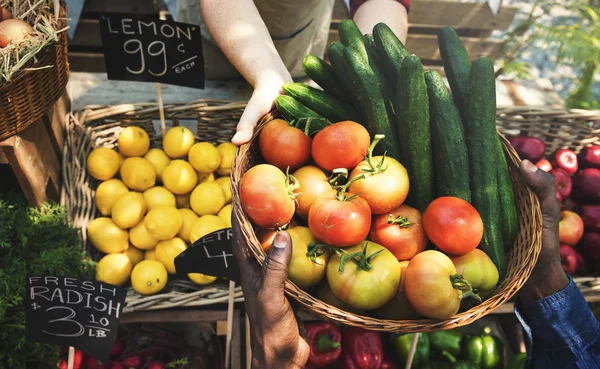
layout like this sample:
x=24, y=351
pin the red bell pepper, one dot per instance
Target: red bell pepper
x=324, y=340
x=363, y=347
x=389, y=362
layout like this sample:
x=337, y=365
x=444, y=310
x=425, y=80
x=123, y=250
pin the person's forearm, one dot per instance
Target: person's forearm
x=238, y=29
x=390, y=12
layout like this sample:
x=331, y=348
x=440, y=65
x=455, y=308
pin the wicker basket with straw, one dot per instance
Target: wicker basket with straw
x=34, y=72
x=98, y=126
x=521, y=258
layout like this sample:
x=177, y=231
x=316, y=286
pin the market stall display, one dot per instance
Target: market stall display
x=34, y=69
x=392, y=116
x=103, y=206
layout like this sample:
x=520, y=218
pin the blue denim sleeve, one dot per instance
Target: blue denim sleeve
x=561, y=331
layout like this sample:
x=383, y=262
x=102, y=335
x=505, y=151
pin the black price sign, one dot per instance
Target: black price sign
x=210, y=255
x=152, y=50
x=73, y=312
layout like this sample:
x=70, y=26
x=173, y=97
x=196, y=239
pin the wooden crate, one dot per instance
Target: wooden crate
x=34, y=155
x=474, y=22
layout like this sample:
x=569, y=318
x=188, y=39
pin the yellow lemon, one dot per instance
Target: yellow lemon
x=201, y=279
x=129, y=209
x=149, y=255
x=121, y=159
x=103, y=163
x=188, y=217
x=163, y=222
x=158, y=196
x=204, y=157
x=133, y=141
x=179, y=177
x=141, y=238
x=134, y=254
x=183, y=201
x=225, y=214
x=114, y=269
x=207, y=198
x=158, y=159
x=224, y=182
x=204, y=225
x=227, y=151
x=138, y=174
x=107, y=193
x=203, y=177
x=149, y=277
x=177, y=142
x=106, y=236
x=167, y=251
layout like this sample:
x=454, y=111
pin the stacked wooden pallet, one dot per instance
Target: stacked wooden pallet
x=474, y=22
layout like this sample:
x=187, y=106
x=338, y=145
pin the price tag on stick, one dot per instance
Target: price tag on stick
x=147, y=49
x=210, y=255
x=74, y=312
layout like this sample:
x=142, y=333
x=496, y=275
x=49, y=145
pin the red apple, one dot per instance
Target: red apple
x=564, y=183
x=62, y=364
x=544, y=165
x=567, y=160
x=590, y=242
x=568, y=259
x=116, y=365
x=530, y=148
x=581, y=265
x=570, y=228
x=570, y=204
x=117, y=349
x=590, y=214
x=132, y=362
x=589, y=157
x=587, y=184
x=156, y=365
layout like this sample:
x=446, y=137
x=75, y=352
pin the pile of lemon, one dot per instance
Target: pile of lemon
x=155, y=202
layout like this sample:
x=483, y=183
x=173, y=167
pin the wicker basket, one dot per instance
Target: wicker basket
x=98, y=126
x=521, y=259
x=31, y=93
x=573, y=129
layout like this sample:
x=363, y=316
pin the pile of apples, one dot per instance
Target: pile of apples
x=578, y=191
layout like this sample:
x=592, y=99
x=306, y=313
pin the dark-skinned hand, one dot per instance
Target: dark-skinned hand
x=274, y=330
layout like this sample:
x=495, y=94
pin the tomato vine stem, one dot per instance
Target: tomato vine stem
x=360, y=258
x=291, y=184
x=379, y=168
x=341, y=190
x=461, y=284
x=401, y=221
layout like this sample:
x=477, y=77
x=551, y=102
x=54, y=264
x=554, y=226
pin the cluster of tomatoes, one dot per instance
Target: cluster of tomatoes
x=344, y=210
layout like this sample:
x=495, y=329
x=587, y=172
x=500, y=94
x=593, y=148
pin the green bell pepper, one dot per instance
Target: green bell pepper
x=448, y=341
x=461, y=364
x=485, y=351
x=401, y=345
x=518, y=361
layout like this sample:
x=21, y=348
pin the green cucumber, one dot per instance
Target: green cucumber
x=450, y=155
x=480, y=129
x=412, y=118
x=390, y=49
x=321, y=102
x=323, y=75
x=457, y=64
x=508, y=205
x=374, y=63
x=292, y=109
x=349, y=33
x=335, y=53
x=370, y=98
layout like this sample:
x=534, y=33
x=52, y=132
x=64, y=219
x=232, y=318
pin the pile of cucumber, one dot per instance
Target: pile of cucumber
x=448, y=143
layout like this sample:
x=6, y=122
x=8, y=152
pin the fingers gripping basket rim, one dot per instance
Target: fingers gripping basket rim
x=521, y=259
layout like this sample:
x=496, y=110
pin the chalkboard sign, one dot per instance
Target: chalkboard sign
x=151, y=50
x=210, y=255
x=74, y=312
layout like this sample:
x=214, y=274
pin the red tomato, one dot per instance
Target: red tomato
x=340, y=145
x=429, y=287
x=400, y=231
x=453, y=225
x=267, y=196
x=283, y=145
x=313, y=185
x=385, y=185
x=340, y=221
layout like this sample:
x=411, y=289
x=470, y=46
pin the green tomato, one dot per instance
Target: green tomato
x=366, y=276
x=302, y=270
x=478, y=269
